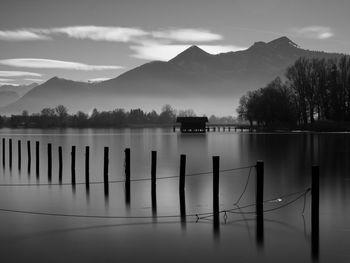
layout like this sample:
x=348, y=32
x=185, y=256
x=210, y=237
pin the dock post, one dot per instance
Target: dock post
x=29, y=155
x=3, y=152
x=10, y=153
x=259, y=207
x=216, y=215
x=127, y=175
x=49, y=161
x=60, y=164
x=73, y=166
x=153, y=181
x=182, y=189
x=19, y=152
x=315, y=193
x=87, y=168
x=105, y=170
x=182, y=173
x=37, y=156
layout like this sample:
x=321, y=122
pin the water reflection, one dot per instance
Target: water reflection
x=260, y=231
x=288, y=158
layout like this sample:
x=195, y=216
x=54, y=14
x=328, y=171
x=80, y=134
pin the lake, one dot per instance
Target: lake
x=287, y=157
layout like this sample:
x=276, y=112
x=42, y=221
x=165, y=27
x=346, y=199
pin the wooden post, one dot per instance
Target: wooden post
x=182, y=189
x=315, y=193
x=73, y=165
x=29, y=155
x=216, y=168
x=259, y=206
x=259, y=187
x=87, y=167
x=153, y=181
x=19, y=152
x=182, y=173
x=10, y=153
x=127, y=176
x=49, y=161
x=37, y=160
x=60, y=164
x=105, y=170
x=3, y=152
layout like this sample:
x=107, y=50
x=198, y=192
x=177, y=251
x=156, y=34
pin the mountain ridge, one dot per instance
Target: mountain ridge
x=193, y=77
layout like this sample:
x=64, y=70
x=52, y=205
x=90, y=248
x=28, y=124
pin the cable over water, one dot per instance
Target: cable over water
x=198, y=216
x=123, y=180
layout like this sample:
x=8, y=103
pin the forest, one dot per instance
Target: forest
x=313, y=91
x=59, y=117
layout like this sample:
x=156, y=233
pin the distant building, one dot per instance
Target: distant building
x=192, y=124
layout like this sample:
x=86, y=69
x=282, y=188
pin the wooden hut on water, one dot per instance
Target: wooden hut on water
x=192, y=124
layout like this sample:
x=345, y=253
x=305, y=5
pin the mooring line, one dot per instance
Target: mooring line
x=123, y=180
x=198, y=216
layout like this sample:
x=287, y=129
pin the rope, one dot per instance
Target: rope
x=245, y=188
x=198, y=216
x=123, y=180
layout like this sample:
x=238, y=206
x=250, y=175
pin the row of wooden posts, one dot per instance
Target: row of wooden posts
x=224, y=128
x=259, y=205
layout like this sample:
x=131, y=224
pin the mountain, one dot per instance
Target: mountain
x=193, y=79
x=53, y=92
x=11, y=93
x=7, y=97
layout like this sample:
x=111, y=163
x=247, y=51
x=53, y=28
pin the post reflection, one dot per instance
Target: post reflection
x=154, y=205
x=260, y=231
x=183, y=210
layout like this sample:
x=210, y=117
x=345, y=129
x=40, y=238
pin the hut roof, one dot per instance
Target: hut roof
x=192, y=119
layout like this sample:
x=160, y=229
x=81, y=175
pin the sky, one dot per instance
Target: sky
x=94, y=40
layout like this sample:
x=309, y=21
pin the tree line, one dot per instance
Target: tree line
x=59, y=117
x=313, y=90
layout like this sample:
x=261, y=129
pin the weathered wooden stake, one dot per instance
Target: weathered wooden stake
x=153, y=181
x=19, y=152
x=37, y=156
x=3, y=152
x=259, y=187
x=73, y=165
x=29, y=156
x=87, y=167
x=182, y=189
x=60, y=164
x=105, y=170
x=315, y=193
x=216, y=167
x=127, y=175
x=49, y=161
x=10, y=153
x=182, y=174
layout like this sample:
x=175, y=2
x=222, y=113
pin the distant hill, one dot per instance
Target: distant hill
x=11, y=93
x=193, y=79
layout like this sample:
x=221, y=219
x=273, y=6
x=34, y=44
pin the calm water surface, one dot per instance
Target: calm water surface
x=287, y=232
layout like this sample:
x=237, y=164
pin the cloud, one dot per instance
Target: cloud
x=53, y=64
x=22, y=35
x=112, y=34
x=9, y=80
x=165, y=52
x=315, y=32
x=8, y=73
x=8, y=84
x=98, y=79
x=35, y=80
x=187, y=35
x=99, y=33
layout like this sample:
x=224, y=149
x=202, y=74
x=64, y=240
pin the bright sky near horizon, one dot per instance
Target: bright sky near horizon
x=100, y=39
